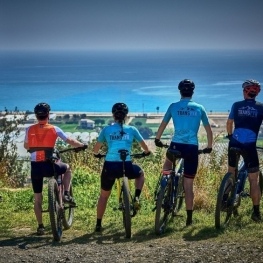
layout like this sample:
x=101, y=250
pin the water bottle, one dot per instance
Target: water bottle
x=165, y=177
x=164, y=180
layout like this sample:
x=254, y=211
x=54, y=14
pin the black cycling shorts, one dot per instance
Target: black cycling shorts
x=39, y=170
x=113, y=170
x=189, y=152
x=249, y=154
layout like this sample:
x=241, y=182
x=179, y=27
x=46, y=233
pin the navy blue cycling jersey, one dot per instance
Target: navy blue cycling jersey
x=247, y=115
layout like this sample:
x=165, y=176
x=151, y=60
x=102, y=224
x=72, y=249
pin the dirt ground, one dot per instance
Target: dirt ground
x=115, y=248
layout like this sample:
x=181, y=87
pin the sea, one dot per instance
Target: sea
x=92, y=81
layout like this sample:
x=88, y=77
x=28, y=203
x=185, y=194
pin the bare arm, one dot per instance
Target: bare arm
x=26, y=145
x=209, y=135
x=160, y=130
x=74, y=143
x=144, y=146
x=97, y=147
x=229, y=126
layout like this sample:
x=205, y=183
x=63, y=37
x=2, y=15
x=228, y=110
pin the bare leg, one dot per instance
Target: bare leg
x=67, y=179
x=254, y=187
x=38, y=207
x=139, y=182
x=102, y=203
x=189, y=193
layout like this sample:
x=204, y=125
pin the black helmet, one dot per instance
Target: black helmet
x=42, y=109
x=186, y=85
x=120, y=107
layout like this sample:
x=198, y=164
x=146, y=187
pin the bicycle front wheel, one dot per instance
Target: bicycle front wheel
x=68, y=213
x=225, y=202
x=55, y=209
x=179, y=199
x=163, y=209
x=126, y=207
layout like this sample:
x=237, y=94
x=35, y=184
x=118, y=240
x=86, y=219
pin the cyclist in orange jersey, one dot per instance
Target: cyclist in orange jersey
x=40, y=140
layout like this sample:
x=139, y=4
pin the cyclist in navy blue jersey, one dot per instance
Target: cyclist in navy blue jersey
x=187, y=116
x=243, y=126
x=118, y=136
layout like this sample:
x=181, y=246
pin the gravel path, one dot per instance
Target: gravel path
x=115, y=248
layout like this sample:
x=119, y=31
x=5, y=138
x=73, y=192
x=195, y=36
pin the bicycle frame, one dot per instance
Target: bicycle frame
x=123, y=192
x=231, y=190
x=56, y=206
x=167, y=193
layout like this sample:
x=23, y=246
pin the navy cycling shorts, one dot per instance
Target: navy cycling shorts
x=189, y=153
x=39, y=170
x=249, y=154
x=113, y=170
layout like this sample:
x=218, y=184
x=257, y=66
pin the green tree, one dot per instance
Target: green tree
x=11, y=169
x=146, y=132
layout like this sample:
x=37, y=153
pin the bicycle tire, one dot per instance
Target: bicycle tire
x=55, y=213
x=225, y=197
x=68, y=213
x=162, y=209
x=178, y=202
x=126, y=211
x=261, y=182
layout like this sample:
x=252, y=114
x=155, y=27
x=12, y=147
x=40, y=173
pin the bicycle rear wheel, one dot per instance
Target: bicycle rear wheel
x=225, y=201
x=163, y=209
x=55, y=209
x=126, y=207
x=68, y=213
x=261, y=182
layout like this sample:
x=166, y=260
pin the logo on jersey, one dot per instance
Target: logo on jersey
x=248, y=112
x=188, y=111
x=117, y=136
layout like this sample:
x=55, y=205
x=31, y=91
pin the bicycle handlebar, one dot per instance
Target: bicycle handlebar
x=134, y=155
x=56, y=154
x=78, y=149
x=200, y=151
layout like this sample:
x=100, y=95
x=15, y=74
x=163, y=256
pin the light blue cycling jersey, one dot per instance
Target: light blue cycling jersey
x=186, y=116
x=115, y=141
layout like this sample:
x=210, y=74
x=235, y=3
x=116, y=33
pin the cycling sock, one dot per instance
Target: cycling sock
x=138, y=192
x=256, y=209
x=99, y=222
x=40, y=226
x=189, y=215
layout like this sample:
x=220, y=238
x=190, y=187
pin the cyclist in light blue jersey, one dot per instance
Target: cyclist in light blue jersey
x=187, y=116
x=246, y=116
x=118, y=136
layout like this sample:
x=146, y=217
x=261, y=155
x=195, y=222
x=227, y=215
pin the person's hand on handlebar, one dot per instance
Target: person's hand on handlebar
x=158, y=143
x=98, y=155
x=207, y=150
x=146, y=154
x=78, y=149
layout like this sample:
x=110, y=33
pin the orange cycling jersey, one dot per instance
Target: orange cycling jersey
x=41, y=140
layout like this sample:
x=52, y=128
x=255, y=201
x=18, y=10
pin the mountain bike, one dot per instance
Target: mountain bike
x=60, y=214
x=124, y=195
x=232, y=190
x=169, y=191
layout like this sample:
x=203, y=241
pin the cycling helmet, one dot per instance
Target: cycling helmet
x=251, y=87
x=186, y=85
x=42, y=109
x=120, y=108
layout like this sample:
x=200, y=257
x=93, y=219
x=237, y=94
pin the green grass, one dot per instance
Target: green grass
x=17, y=216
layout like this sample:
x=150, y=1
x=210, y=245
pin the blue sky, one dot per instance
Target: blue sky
x=133, y=24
